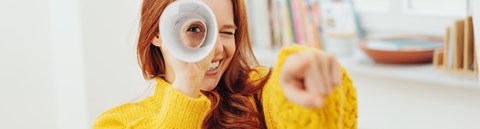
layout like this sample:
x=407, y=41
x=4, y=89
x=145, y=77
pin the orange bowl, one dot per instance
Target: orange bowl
x=401, y=49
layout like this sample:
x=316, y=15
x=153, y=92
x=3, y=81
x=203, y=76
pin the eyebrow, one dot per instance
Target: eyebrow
x=229, y=26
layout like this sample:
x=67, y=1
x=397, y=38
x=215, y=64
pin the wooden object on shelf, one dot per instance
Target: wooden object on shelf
x=438, y=59
x=458, y=45
x=468, y=46
x=475, y=12
x=475, y=63
x=459, y=54
x=446, y=48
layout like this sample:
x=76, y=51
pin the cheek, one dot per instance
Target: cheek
x=228, y=50
x=229, y=47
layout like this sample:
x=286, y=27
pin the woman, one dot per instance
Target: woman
x=305, y=89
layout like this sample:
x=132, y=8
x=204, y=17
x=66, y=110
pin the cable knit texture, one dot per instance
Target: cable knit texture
x=168, y=108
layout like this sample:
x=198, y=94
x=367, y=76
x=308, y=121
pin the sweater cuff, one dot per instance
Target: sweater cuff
x=181, y=111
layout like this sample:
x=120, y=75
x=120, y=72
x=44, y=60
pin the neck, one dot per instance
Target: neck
x=169, y=75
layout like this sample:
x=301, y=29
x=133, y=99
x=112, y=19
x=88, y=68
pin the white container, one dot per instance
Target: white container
x=340, y=44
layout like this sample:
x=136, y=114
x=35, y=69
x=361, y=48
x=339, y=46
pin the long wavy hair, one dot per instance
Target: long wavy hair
x=236, y=101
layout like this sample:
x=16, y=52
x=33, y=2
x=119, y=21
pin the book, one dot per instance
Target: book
x=290, y=24
x=276, y=27
x=297, y=19
x=287, y=33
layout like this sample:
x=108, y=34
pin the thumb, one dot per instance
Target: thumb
x=294, y=68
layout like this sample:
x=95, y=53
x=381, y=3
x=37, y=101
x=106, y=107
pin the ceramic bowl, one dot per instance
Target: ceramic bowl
x=401, y=49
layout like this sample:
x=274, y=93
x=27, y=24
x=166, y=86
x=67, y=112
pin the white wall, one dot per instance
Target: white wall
x=63, y=62
x=395, y=17
x=26, y=78
x=113, y=76
x=68, y=64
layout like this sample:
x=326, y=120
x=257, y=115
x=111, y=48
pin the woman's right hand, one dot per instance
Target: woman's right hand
x=189, y=75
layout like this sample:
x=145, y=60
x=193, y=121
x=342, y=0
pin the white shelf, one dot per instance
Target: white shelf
x=420, y=73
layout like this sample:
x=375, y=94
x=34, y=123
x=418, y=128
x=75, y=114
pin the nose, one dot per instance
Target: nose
x=218, y=48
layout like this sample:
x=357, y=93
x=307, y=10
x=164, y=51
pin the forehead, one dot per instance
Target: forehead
x=223, y=10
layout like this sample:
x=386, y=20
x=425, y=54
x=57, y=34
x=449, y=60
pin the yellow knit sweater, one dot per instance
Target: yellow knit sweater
x=169, y=108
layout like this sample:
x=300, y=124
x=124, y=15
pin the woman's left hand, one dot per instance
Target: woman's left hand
x=308, y=77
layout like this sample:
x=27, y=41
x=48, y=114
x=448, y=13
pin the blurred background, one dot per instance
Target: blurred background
x=63, y=62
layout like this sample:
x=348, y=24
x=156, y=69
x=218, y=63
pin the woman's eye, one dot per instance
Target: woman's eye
x=228, y=33
x=194, y=29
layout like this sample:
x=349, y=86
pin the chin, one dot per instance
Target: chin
x=212, y=78
x=209, y=84
x=208, y=87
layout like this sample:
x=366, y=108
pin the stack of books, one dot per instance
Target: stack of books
x=295, y=22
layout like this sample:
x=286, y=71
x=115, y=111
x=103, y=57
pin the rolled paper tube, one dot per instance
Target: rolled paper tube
x=174, y=23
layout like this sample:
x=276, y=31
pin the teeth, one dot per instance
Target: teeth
x=214, y=65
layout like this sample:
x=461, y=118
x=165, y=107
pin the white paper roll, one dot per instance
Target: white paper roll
x=173, y=20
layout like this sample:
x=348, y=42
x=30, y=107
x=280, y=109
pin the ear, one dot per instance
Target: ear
x=156, y=40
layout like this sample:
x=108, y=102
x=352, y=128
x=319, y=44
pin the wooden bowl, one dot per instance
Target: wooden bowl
x=401, y=49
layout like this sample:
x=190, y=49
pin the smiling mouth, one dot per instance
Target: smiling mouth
x=214, y=65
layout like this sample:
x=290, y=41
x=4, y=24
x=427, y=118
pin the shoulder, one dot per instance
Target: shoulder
x=124, y=114
x=258, y=74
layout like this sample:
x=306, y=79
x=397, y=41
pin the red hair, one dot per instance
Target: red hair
x=231, y=99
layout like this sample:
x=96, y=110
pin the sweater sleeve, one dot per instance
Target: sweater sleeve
x=340, y=110
x=172, y=109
